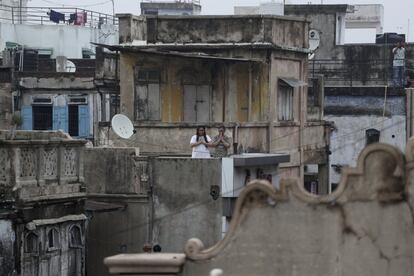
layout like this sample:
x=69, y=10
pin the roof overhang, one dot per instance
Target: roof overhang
x=174, y=48
x=293, y=82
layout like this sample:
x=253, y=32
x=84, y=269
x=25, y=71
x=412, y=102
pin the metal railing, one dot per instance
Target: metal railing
x=41, y=16
x=195, y=2
x=353, y=72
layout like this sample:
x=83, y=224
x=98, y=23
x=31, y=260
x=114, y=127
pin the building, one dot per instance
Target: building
x=180, y=72
x=48, y=97
x=170, y=7
x=42, y=222
x=50, y=82
x=363, y=228
x=357, y=82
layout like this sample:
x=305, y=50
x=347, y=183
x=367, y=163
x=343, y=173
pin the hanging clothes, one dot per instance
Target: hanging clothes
x=72, y=18
x=80, y=18
x=56, y=17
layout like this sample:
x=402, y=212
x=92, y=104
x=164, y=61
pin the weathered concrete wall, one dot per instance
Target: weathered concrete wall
x=123, y=230
x=59, y=81
x=355, y=112
x=116, y=196
x=111, y=171
x=228, y=81
x=358, y=64
x=7, y=239
x=363, y=228
x=183, y=206
x=326, y=20
x=349, y=139
x=215, y=29
x=5, y=106
x=32, y=169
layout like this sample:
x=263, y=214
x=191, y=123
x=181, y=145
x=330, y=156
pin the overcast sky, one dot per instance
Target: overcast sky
x=397, y=13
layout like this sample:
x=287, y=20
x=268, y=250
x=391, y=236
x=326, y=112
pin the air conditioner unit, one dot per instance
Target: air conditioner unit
x=238, y=170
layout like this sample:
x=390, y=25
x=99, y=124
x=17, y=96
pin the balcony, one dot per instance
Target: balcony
x=40, y=16
x=42, y=165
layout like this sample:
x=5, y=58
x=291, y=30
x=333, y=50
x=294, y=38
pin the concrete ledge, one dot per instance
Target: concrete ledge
x=146, y=263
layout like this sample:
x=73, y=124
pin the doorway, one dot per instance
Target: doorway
x=73, y=120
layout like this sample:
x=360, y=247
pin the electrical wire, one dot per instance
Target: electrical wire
x=208, y=201
x=71, y=6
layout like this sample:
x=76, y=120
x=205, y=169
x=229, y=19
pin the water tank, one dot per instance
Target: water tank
x=389, y=38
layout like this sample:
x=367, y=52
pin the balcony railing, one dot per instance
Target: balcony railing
x=40, y=16
x=32, y=169
x=195, y=2
x=354, y=72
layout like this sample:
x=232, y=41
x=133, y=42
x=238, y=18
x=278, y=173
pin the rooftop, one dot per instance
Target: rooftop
x=42, y=16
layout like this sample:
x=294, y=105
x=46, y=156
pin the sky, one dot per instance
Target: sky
x=398, y=14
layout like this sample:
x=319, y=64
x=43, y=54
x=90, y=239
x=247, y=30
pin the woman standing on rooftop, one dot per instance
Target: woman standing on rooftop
x=200, y=143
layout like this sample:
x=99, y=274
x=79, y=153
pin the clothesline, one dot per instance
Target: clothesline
x=77, y=18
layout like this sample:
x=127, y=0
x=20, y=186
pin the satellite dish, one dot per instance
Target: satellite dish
x=122, y=126
x=70, y=67
x=314, y=40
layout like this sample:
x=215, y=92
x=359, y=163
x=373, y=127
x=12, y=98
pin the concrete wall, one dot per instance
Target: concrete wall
x=366, y=16
x=5, y=105
x=353, y=114
x=349, y=139
x=123, y=230
x=67, y=40
x=328, y=20
x=111, y=171
x=112, y=177
x=363, y=228
x=183, y=206
x=215, y=29
x=125, y=219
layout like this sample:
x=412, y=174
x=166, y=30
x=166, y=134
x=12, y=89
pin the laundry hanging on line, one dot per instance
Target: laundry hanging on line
x=78, y=18
x=56, y=17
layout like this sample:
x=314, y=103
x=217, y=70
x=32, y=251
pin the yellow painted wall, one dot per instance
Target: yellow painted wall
x=229, y=82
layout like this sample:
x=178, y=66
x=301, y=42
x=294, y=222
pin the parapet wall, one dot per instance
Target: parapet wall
x=365, y=227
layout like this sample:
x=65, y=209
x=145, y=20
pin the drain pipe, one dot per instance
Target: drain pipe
x=235, y=138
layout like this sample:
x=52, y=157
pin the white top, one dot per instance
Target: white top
x=200, y=151
x=399, y=56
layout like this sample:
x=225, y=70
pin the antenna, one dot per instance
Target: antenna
x=122, y=126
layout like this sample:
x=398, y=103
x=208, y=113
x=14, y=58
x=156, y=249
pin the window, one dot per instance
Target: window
x=197, y=103
x=45, y=53
x=42, y=117
x=31, y=243
x=285, y=101
x=147, y=95
x=52, y=239
x=372, y=135
x=75, y=236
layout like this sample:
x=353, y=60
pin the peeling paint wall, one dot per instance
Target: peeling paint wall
x=214, y=29
x=228, y=82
